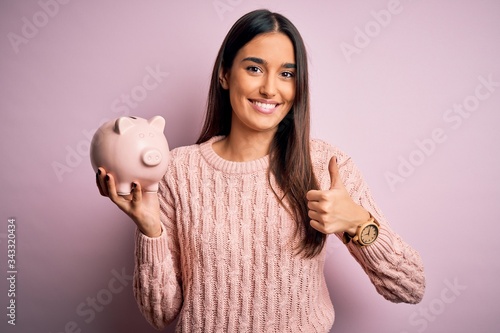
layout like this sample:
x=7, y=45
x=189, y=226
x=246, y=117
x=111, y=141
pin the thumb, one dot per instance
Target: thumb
x=334, y=173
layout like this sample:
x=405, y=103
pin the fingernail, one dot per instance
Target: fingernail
x=107, y=177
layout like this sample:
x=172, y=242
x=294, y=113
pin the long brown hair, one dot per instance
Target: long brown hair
x=290, y=158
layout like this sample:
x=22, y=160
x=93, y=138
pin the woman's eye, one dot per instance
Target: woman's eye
x=254, y=69
x=288, y=75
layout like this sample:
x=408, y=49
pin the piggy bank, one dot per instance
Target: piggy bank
x=131, y=149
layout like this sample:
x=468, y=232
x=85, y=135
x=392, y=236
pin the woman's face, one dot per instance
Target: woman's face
x=261, y=83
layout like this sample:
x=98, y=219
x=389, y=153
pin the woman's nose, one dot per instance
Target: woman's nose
x=268, y=87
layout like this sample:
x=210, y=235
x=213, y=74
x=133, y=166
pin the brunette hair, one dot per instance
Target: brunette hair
x=290, y=159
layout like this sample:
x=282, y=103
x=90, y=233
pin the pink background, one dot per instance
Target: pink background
x=74, y=61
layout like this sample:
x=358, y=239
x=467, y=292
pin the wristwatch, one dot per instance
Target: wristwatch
x=366, y=233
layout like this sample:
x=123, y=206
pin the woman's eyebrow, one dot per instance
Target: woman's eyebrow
x=261, y=61
x=256, y=60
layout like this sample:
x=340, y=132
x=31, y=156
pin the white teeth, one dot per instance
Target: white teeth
x=265, y=105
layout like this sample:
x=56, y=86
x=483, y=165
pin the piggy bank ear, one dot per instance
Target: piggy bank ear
x=157, y=122
x=122, y=124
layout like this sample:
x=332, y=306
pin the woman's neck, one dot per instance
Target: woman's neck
x=239, y=147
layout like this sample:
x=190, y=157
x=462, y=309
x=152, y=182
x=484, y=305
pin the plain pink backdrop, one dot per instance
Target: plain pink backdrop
x=385, y=88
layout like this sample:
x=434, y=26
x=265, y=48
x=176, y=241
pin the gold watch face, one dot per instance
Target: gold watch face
x=369, y=234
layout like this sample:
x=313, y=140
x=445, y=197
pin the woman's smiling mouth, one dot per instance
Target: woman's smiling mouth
x=264, y=107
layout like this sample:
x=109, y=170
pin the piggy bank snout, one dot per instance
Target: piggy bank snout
x=152, y=157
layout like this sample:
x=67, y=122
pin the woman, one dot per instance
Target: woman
x=234, y=240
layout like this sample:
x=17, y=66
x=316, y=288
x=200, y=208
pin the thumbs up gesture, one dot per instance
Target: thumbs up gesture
x=333, y=210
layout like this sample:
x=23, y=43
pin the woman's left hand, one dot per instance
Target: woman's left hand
x=333, y=210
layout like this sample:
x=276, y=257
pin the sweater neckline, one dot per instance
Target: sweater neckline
x=224, y=165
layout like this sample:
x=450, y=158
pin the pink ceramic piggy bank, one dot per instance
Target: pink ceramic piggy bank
x=131, y=149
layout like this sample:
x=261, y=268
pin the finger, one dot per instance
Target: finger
x=98, y=184
x=101, y=183
x=313, y=215
x=312, y=205
x=334, y=173
x=136, y=192
x=318, y=207
x=315, y=195
x=111, y=186
x=326, y=229
x=318, y=226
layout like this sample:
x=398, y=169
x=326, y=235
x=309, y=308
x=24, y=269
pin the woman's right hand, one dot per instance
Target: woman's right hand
x=142, y=207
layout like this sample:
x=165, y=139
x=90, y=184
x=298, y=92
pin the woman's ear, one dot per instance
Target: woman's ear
x=224, y=79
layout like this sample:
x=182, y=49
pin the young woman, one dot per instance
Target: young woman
x=234, y=240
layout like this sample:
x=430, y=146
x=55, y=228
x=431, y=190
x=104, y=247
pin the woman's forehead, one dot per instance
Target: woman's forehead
x=270, y=47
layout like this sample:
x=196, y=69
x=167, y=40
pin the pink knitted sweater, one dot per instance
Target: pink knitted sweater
x=225, y=261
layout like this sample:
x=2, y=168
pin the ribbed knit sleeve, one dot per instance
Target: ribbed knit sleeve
x=394, y=267
x=157, y=274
